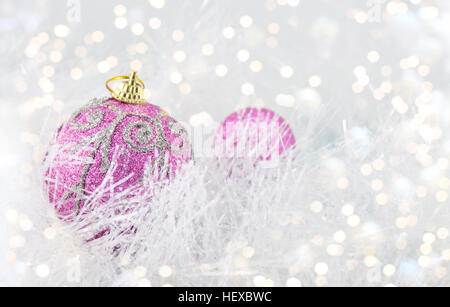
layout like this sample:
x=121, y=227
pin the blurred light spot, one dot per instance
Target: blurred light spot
x=179, y=56
x=11, y=215
x=207, y=49
x=136, y=65
x=103, y=67
x=120, y=10
x=98, y=36
x=315, y=81
x=386, y=87
x=165, y=271
x=259, y=281
x=286, y=72
x=201, y=119
x=256, y=66
x=382, y=199
x=246, y=21
x=137, y=29
x=357, y=87
x=17, y=241
x=426, y=249
x=144, y=283
x=361, y=17
x=273, y=28
x=318, y=240
x=386, y=71
x=399, y=105
x=378, y=164
x=228, y=32
x=59, y=44
x=61, y=30
x=157, y=3
x=269, y=283
x=441, y=196
x=25, y=224
x=141, y=47
x=272, y=42
x=371, y=261
x=42, y=270
x=11, y=256
x=366, y=169
x=46, y=85
x=185, y=88
x=154, y=23
x=43, y=38
x=147, y=93
x=176, y=77
x=429, y=238
x=321, y=268
x=80, y=51
x=442, y=233
x=424, y=261
x=243, y=55
x=395, y=8
x=424, y=70
x=429, y=12
x=293, y=282
x=50, y=233
x=373, y=56
x=177, y=35
x=56, y=56
x=76, y=73
x=140, y=272
x=48, y=71
x=339, y=236
x=221, y=70
x=293, y=3
x=441, y=272
x=342, y=183
x=360, y=71
x=112, y=61
x=247, y=89
x=377, y=185
x=446, y=255
x=248, y=252
x=316, y=206
x=285, y=100
x=335, y=250
x=353, y=220
x=120, y=22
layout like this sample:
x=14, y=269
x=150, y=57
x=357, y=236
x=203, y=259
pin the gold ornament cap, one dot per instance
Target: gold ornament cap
x=131, y=91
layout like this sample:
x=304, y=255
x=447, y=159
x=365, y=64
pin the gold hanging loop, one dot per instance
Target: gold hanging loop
x=131, y=91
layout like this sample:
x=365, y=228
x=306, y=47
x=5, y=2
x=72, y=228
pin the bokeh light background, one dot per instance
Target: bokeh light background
x=373, y=75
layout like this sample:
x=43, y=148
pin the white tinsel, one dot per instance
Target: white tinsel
x=215, y=227
x=362, y=201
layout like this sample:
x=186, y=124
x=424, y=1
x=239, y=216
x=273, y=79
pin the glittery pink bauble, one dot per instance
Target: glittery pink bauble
x=114, y=140
x=253, y=133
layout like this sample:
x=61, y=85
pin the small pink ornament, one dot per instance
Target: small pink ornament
x=114, y=139
x=258, y=134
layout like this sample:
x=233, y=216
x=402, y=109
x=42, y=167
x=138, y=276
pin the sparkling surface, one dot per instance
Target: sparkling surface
x=257, y=133
x=364, y=88
x=136, y=136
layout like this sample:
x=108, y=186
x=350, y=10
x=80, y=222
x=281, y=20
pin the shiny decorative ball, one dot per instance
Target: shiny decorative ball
x=109, y=147
x=255, y=134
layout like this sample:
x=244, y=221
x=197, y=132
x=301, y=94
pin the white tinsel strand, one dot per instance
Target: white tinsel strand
x=364, y=202
x=212, y=228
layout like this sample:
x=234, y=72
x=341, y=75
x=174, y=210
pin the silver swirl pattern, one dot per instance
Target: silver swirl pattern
x=148, y=136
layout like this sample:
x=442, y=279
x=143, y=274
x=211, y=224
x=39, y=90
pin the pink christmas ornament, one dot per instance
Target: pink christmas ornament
x=118, y=140
x=251, y=133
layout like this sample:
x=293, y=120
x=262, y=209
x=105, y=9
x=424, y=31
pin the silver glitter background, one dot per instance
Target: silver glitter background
x=362, y=71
